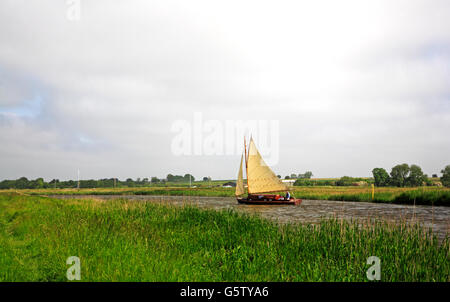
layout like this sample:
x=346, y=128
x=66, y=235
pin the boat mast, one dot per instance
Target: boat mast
x=246, y=165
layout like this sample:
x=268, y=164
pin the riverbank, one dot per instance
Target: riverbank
x=431, y=196
x=121, y=240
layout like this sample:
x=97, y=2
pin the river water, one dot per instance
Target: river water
x=310, y=211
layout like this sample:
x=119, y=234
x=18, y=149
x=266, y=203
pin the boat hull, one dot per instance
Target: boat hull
x=292, y=201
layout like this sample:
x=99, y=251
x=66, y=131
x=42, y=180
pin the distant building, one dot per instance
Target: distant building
x=288, y=182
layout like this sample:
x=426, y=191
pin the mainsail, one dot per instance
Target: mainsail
x=260, y=178
x=240, y=181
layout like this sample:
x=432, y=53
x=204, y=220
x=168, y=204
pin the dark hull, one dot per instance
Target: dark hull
x=292, y=201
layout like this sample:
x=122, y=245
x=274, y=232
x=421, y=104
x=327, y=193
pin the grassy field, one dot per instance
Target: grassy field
x=436, y=196
x=122, y=240
x=420, y=195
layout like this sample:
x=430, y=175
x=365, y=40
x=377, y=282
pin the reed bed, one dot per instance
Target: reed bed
x=120, y=240
x=434, y=196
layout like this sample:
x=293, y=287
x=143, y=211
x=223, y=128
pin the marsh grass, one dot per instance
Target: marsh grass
x=119, y=240
x=420, y=196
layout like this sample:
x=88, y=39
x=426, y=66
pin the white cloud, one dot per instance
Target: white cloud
x=354, y=84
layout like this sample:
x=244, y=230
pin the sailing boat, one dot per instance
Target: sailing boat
x=260, y=179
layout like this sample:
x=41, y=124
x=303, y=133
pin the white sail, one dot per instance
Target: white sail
x=240, y=181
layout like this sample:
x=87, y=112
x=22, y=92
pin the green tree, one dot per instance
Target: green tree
x=345, y=181
x=381, y=177
x=38, y=183
x=22, y=183
x=399, y=175
x=130, y=182
x=154, y=180
x=416, y=176
x=445, y=179
x=308, y=174
x=53, y=183
x=188, y=177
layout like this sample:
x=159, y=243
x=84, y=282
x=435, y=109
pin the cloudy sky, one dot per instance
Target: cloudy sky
x=99, y=85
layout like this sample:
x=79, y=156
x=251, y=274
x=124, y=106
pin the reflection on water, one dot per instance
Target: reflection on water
x=311, y=211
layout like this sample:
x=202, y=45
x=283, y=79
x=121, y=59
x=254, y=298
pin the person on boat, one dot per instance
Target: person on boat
x=288, y=196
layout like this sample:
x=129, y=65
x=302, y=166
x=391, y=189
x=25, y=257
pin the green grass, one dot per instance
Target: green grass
x=167, y=191
x=122, y=240
x=410, y=197
x=437, y=198
x=420, y=195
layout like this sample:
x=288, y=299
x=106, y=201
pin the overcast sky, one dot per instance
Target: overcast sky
x=354, y=85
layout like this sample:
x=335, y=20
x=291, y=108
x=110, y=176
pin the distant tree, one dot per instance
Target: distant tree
x=188, y=177
x=91, y=183
x=129, y=182
x=416, y=177
x=434, y=175
x=303, y=182
x=38, y=183
x=345, y=181
x=53, y=183
x=445, y=179
x=308, y=174
x=154, y=180
x=293, y=175
x=381, y=177
x=287, y=177
x=205, y=178
x=22, y=183
x=279, y=176
x=170, y=177
x=7, y=184
x=69, y=184
x=399, y=175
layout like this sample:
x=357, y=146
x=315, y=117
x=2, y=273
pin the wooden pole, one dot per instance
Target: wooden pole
x=373, y=191
x=246, y=165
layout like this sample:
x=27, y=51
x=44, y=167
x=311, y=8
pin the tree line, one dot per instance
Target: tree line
x=404, y=175
x=343, y=181
x=306, y=175
x=401, y=175
x=40, y=183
